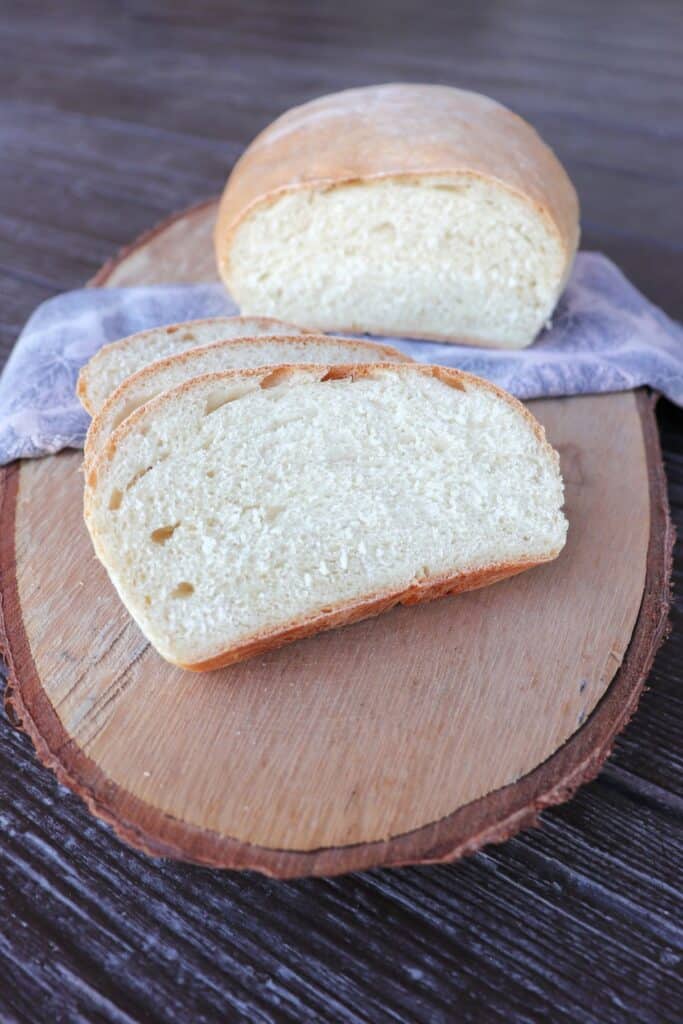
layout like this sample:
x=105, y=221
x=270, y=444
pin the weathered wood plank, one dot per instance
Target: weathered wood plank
x=428, y=936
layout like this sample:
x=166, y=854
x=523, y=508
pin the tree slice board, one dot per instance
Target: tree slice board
x=414, y=737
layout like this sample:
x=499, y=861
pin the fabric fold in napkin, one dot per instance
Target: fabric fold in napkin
x=604, y=336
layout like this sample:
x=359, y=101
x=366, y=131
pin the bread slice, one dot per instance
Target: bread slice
x=403, y=210
x=166, y=373
x=246, y=509
x=113, y=363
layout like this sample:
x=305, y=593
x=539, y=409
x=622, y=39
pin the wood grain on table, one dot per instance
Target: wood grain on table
x=112, y=116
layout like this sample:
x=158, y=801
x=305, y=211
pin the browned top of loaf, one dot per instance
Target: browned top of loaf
x=399, y=130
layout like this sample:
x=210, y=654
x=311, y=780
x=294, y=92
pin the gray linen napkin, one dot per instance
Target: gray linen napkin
x=604, y=336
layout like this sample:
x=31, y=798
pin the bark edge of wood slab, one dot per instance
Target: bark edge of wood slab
x=490, y=818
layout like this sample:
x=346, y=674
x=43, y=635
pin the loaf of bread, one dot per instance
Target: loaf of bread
x=406, y=210
x=113, y=363
x=166, y=373
x=245, y=509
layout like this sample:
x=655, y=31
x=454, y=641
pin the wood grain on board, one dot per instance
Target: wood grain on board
x=359, y=746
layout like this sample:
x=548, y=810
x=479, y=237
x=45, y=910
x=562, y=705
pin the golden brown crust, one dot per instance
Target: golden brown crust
x=350, y=612
x=82, y=385
x=99, y=425
x=398, y=131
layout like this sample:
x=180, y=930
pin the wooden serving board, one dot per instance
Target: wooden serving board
x=414, y=737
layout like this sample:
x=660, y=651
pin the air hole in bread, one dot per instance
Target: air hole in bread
x=272, y=379
x=337, y=373
x=385, y=230
x=452, y=382
x=184, y=589
x=273, y=512
x=163, y=533
x=137, y=477
x=115, y=500
x=216, y=401
x=450, y=187
x=210, y=472
x=123, y=414
x=188, y=336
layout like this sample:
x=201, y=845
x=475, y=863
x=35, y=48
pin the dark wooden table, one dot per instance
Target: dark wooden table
x=112, y=115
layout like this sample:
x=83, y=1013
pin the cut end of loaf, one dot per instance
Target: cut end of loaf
x=445, y=257
x=246, y=509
